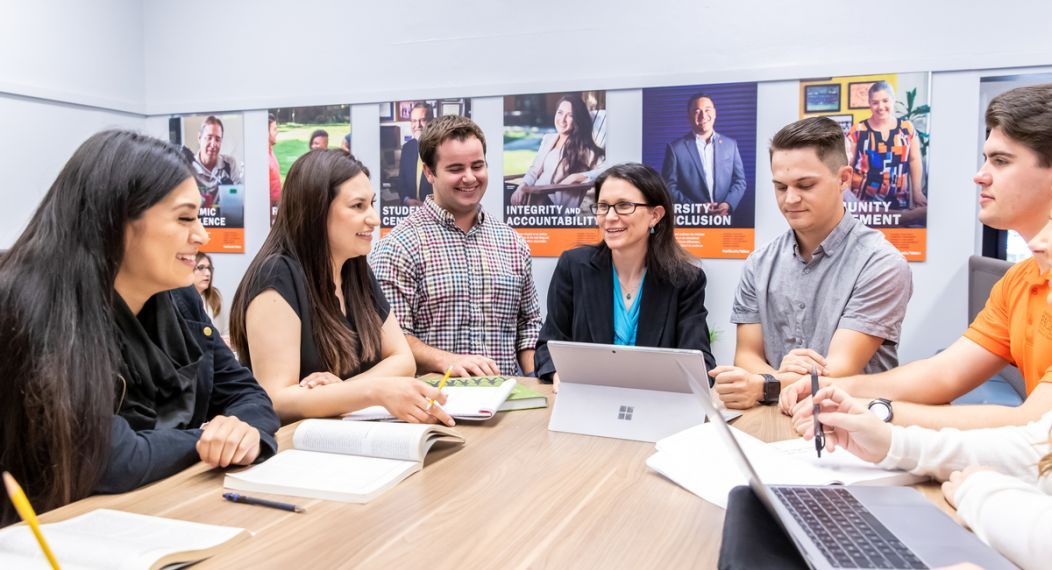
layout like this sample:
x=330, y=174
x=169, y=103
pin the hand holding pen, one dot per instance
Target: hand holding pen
x=820, y=436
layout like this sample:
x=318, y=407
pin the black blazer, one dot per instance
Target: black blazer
x=581, y=308
x=224, y=387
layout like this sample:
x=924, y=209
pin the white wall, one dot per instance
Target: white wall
x=36, y=139
x=273, y=53
x=86, y=53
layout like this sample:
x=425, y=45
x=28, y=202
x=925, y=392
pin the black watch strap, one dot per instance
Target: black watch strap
x=772, y=388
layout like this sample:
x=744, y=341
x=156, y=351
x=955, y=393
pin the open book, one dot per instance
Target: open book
x=351, y=462
x=699, y=461
x=466, y=399
x=114, y=539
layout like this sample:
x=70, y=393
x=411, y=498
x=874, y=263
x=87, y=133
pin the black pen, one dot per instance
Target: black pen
x=820, y=436
x=237, y=498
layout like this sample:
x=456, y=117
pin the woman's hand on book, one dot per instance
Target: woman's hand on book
x=227, y=441
x=408, y=399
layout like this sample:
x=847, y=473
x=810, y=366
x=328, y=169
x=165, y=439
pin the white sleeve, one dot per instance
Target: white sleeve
x=1013, y=450
x=1011, y=516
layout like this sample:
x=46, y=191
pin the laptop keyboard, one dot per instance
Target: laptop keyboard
x=846, y=532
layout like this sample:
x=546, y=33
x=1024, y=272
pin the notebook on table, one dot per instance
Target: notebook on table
x=466, y=399
x=110, y=539
x=697, y=460
x=353, y=462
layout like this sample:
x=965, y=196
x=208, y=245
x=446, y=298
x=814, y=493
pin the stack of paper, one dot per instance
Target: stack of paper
x=699, y=461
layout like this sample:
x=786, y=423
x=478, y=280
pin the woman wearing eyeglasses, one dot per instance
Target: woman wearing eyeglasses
x=204, y=271
x=638, y=286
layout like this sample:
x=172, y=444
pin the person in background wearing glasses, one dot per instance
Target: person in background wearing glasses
x=204, y=272
x=636, y=287
x=829, y=292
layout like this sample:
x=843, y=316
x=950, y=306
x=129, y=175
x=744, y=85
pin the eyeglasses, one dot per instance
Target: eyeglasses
x=620, y=208
x=203, y=267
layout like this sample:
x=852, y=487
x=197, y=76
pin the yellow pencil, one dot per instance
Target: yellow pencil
x=25, y=510
x=441, y=384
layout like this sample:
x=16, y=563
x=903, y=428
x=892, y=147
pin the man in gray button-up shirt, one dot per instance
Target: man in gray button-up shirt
x=829, y=293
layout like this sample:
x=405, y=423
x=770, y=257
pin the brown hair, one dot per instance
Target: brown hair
x=442, y=129
x=211, y=120
x=1024, y=114
x=819, y=133
x=300, y=232
x=213, y=298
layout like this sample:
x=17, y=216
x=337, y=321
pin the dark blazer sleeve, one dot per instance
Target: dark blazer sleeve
x=141, y=457
x=407, y=176
x=738, y=183
x=235, y=392
x=558, y=325
x=670, y=172
x=692, y=328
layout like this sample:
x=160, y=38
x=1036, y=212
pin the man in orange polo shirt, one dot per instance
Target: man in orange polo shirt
x=1015, y=327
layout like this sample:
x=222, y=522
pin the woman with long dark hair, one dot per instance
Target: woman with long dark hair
x=310, y=318
x=637, y=286
x=109, y=366
x=567, y=156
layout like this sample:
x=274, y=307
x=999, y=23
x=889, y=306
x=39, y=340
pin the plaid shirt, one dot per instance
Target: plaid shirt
x=463, y=292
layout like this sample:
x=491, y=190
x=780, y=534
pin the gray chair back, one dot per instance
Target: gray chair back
x=983, y=272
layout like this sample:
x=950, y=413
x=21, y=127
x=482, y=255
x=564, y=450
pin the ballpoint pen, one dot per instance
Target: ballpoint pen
x=820, y=436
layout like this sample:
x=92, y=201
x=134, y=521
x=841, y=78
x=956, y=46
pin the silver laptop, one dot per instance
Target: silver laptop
x=859, y=526
x=625, y=392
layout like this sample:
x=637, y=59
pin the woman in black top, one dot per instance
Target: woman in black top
x=309, y=317
x=108, y=374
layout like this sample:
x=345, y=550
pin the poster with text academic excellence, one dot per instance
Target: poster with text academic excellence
x=214, y=147
x=702, y=139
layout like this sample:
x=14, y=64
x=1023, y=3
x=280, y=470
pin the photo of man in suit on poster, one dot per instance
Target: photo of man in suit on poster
x=704, y=166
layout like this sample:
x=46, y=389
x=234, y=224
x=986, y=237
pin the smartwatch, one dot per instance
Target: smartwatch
x=771, y=389
x=881, y=407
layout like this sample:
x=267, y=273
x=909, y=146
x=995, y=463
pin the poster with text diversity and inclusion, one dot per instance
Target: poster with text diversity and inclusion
x=702, y=139
x=885, y=118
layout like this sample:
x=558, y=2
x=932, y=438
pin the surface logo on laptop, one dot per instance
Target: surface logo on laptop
x=625, y=413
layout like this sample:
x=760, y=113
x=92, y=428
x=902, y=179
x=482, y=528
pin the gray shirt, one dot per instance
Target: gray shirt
x=856, y=280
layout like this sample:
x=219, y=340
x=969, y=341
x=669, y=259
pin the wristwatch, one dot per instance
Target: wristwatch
x=771, y=389
x=881, y=407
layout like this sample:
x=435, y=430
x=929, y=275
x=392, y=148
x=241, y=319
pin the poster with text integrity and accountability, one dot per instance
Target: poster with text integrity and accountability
x=885, y=119
x=702, y=139
x=554, y=148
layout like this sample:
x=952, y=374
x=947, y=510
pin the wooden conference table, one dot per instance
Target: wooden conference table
x=514, y=496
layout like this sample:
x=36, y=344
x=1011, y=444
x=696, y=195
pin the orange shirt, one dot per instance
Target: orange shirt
x=1016, y=323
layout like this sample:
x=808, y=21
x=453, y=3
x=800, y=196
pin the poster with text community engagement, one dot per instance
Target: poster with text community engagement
x=885, y=119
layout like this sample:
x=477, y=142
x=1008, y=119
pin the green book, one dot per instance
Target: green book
x=521, y=397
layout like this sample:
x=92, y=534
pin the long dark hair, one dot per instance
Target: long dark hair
x=580, y=153
x=665, y=257
x=213, y=298
x=58, y=375
x=300, y=232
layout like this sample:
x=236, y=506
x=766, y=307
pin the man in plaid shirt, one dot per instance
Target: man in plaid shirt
x=460, y=281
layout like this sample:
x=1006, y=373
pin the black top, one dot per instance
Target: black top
x=155, y=432
x=285, y=275
x=581, y=308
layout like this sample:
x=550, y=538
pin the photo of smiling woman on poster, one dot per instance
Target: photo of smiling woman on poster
x=569, y=156
x=884, y=152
